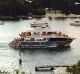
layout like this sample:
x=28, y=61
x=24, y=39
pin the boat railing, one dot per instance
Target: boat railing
x=33, y=41
x=33, y=45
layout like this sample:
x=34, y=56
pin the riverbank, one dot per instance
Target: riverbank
x=2, y=71
x=49, y=14
x=58, y=14
x=4, y=18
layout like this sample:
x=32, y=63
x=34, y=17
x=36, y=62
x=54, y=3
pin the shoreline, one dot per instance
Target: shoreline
x=56, y=15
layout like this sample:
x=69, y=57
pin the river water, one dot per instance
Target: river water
x=9, y=58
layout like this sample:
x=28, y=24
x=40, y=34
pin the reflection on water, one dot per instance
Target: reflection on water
x=9, y=58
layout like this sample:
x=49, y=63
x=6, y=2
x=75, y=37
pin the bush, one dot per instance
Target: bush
x=74, y=69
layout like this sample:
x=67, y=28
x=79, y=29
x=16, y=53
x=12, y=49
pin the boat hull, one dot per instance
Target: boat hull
x=43, y=45
x=74, y=24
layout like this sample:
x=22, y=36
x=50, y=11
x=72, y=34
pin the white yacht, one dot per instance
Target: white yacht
x=75, y=23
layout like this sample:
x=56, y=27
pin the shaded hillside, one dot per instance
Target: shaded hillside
x=24, y=7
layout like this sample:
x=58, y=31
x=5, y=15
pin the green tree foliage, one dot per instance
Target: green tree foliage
x=14, y=7
x=74, y=69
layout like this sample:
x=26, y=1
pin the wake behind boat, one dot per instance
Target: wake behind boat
x=41, y=37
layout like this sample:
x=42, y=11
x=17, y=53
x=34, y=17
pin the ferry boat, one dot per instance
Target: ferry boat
x=76, y=23
x=41, y=37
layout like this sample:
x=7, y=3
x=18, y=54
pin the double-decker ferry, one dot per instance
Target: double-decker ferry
x=41, y=37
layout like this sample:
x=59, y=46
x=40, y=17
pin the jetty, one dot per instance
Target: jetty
x=49, y=67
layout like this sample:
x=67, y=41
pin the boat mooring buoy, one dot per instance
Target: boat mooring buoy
x=20, y=61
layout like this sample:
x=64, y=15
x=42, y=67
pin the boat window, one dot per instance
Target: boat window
x=49, y=33
x=40, y=39
x=43, y=33
x=25, y=43
x=28, y=33
x=43, y=43
x=36, y=33
x=32, y=39
x=57, y=39
x=35, y=43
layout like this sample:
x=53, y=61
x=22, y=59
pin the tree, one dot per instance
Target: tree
x=74, y=69
x=68, y=69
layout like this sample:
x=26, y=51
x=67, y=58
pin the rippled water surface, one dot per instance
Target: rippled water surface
x=9, y=58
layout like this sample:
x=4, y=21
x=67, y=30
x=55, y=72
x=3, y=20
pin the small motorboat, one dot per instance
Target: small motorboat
x=50, y=18
x=76, y=23
x=1, y=23
x=38, y=24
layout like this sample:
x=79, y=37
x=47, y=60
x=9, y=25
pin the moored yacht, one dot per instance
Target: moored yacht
x=76, y=23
